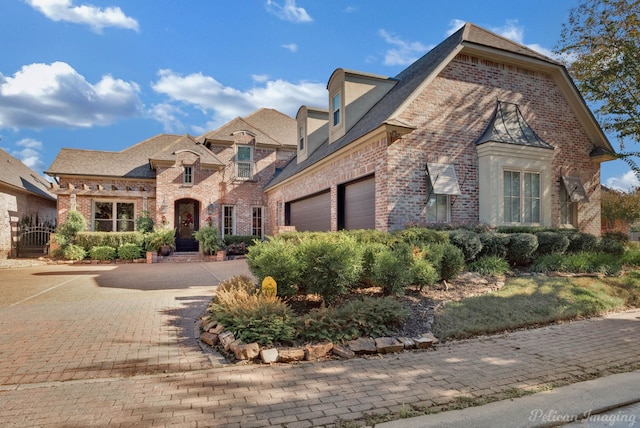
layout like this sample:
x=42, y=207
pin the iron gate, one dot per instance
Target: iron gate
x=33, y=241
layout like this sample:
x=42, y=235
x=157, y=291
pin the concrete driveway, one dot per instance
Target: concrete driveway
x=66, y=322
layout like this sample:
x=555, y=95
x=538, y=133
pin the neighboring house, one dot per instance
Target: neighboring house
x=479, y=130
x=181, y=181
x=24, y=200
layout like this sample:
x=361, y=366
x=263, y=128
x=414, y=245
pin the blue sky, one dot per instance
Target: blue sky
x=107, y=74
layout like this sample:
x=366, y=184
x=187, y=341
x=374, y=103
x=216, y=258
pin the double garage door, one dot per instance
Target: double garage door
x=356, y=208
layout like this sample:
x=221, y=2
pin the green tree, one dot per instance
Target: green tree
x=623, y=206
x=601, y=42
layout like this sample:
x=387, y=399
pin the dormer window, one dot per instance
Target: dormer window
x=301, y=138
x=244, y=162
x=335, y=108
x=187, y=175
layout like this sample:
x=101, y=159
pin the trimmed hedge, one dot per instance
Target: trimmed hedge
x=467, y=241
x=129, y=251
x=88, y=240
x=102, y=253
x=522, y=247
x=494, y=244
x=551, y=243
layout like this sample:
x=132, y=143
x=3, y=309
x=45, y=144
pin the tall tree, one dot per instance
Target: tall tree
x=623, y=207
x=601, y=43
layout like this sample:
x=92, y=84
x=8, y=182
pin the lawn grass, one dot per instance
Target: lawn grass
x=527, y=302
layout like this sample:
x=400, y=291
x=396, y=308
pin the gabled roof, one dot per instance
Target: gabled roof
x=186, y=143
x=132, y=162
x=507, y=125
x=270, y=127
x=420, y=73
x=16, y=174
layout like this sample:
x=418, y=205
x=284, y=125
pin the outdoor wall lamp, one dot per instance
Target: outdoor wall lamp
x=210, y=208
x=163, y=207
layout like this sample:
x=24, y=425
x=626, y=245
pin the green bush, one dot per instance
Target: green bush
x=392, y=272
x=467, y=241
x=490, y=265
x=423, y=274
x=584, y=262
x=74, y=223
x=129, y=251
x=370, y=236
x=370, y=252
x=522, y=247
x=102, y=253
x=251, y=315
x=279, y=259
x=551, y=242
x=88, y=240
x=420, y=236
x=580, y=241
x=374, y=316
x=620, y=237
x=494, y=244
x=325, y=324
x=631, y=257
x=330, y=265
x=452, y=262
x=209, y=239
x=610, y=245
x=74, y=252
x=247, y=240
x=144, y=223
x=522, y=229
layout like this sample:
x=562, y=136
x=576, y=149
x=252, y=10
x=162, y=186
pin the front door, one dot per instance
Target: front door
x=186, y=221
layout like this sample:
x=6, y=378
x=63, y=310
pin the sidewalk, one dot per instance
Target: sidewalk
x=326, y=393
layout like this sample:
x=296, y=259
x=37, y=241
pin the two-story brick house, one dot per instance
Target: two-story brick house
x=479, y=130
x=183, y=182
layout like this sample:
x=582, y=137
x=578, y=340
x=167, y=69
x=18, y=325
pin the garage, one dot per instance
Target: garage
x=310, y=214
x=356, y=204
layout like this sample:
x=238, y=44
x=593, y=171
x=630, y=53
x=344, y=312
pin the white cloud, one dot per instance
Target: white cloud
x=225, y=103
x=625, y=183
x=93, y=16
x=167, y=114
x=455, y=25
x=289, y=12
x=403, y=53
x=260, y=77
x=45, y=95
x=30, y=154
x=291, y=46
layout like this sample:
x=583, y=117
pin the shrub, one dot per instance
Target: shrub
x=584, y=262
x=370, y=252
x=73, y=252
x=631, y=257
x=144, y=223
x=620, y=237
x=74, y=223
x=129, y=251
x=247, y=240
x=490, y=265
x=330, y=265
x=88, y=240
x=102, y=253
x=494, y=244
x=551, y=242
x=160, y=237
x=522, y=247
x=370, y=236
x=251, y=315
x=423, y=273
x=580, y=241
x=373, y=317
x=209, y=239
x=452, y=262
x=420, y=236
x=325, y=324
x=611, y=245
x=277, y=258
x=467, y=241
x=391, y=272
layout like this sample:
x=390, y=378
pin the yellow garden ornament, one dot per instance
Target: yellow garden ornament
x=269, y=286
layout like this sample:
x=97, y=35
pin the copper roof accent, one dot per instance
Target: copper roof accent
x=16, y=174
x=507, y=125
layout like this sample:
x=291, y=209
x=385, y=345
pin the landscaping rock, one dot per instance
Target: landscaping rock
x=226, y=339
x=343, y=352
x=423, y=342
x=317, y=351
x=234, y=345
x=269, y=355
x=430, y=336
x=208, y=326
x=246, y=352
x=363, y=345
x=209, y=338
x=289, y=355
x=407, y=342
x=219, y=328
x=388, y=345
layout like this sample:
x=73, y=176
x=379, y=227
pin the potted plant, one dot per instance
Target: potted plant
x=209, y=239
x=161, y=240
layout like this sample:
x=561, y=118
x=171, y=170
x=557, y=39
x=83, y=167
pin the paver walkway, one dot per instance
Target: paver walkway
x=317, y=394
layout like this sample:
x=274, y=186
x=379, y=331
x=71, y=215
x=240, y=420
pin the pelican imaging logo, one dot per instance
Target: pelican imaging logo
x=617, y=419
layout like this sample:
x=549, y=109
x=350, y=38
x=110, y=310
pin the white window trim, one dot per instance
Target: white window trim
x=233, y=219
x=522, y=197
x=262, y=220
x=250, y=162
x=339, y=110
x=448, y=208
x=184, y=175
x=114, y=227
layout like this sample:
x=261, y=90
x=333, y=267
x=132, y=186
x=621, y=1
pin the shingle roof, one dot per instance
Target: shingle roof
x=409, y=80
x=16, y=174
x=186, y=142
x=132, y=162
x=271, y=127
x=507, y=125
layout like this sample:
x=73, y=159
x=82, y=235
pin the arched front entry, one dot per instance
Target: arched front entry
x=187, y=220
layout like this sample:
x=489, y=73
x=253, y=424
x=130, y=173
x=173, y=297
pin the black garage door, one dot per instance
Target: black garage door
x=357, y=209
x=311, y=214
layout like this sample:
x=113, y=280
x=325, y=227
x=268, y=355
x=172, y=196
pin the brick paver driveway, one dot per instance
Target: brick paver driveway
x=70, y=322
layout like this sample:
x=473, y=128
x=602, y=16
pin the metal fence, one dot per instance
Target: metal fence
x=34, y=241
